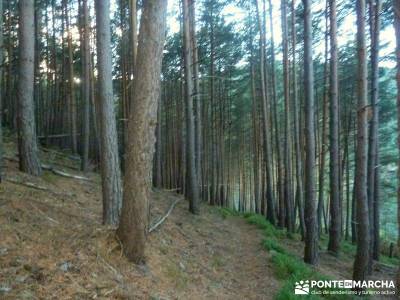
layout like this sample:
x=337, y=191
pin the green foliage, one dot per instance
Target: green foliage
x=286, y=292
x=272, y=244
x=348, y=248
x=227, y=212
x=286, y=265
x=262, y=223
x=390, y=260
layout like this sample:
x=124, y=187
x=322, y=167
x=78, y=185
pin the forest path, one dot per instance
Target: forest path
x=53, y=246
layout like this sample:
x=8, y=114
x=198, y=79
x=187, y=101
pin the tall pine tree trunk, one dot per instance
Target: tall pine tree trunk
x=297, y=142
x=191, y=172
x=373, y=151
x=396, y=8
x=335, y=215
x=362, y=226
x=311, y=238
x=27, y=143
x=1, y=90
x=110, y=168
x=86, y=86
x=133, y=227
x=287, y=137
x=265, y=123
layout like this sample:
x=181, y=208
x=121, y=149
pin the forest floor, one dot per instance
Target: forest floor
x=53, y=246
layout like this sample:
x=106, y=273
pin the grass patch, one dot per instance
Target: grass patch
x=288, y=267
x=262, y=223
x=49, y=177
x=292, y=270
x=272, y=244
x=227, y=212
x=176, y=275
x=217, y=262
x=390, y=260
x=348, y=248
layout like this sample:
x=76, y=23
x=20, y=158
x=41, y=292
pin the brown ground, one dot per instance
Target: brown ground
x=52, y=246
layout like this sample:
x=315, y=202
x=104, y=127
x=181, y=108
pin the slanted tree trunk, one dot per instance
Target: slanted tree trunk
x=396, y=8
x=362, y=226
x=311, y=238
x=335, y=215
x=133, y=227
x=27, y=143
x=110, y=168
x=86, y=86
x=191, y=173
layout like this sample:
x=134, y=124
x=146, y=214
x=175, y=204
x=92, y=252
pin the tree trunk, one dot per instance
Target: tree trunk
x=110, y=168
x=287, y=136
x=396, y=8
x=297, y=142
x=27, y=143
x=335, y=214
x=1, y=90
x=363, y=231
x=265, y=123
x=86, y=86
x=133, y=227
x=311, y=238
x=198, y=106
x=191, y=173
x=373, y=148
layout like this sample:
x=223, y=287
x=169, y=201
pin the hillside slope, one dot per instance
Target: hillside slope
x=53, y=246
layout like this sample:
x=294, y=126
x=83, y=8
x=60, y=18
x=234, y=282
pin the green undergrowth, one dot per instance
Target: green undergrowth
x=390, y=260
x=287, y=267
x=227, y=212
x=347, y=249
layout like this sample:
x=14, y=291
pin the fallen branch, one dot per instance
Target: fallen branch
x=51, y=169
x=154, y=227
x=35, y=186
x=46, y=216
x=64, y=174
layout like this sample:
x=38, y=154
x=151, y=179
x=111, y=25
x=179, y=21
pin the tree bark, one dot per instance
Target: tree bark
x=191, y=172
x=362, y=226
x=335, y=214
x=311, y=237
x=197, y=95
x=1, y=91
x=396, y=8
x=110, y=167
x=297, y=142
x=86, y=87
x=133, y=227
x=27, y=142
x=373, y=183
x=265, y=122
x=290, y=223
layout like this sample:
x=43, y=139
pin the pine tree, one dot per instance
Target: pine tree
x=110, y=170
x=27, y=143
x=133, y=227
